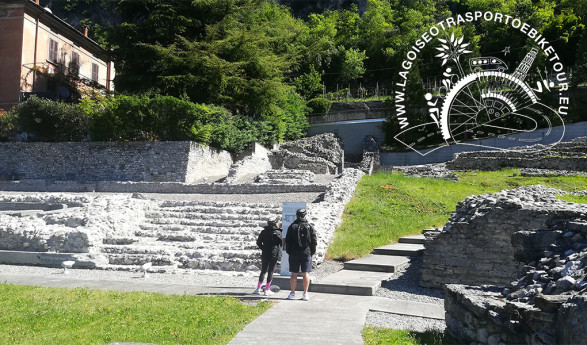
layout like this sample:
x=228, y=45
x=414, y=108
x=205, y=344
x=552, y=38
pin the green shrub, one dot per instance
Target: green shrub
x=121, y=118
x=46, y=120
x=159, y=118
x=8, y=125
x=319, y=106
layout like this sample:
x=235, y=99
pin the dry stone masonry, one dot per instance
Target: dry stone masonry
x=251, y=163
x=286, y=176
x=321, y=154
x=126, y=231
x=570, y=155
x=516, y=265
x=172, y=161
x=478, y=235
x=438, y=170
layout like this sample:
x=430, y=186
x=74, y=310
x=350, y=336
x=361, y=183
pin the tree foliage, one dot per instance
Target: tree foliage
x=262, y=64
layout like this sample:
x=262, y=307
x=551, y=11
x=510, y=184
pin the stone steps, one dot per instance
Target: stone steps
x=217, y=205
x=191, y=236
x=208, y=216
x=201, y=235
x=253, y=209
x=171, y=247
x=208, y=222
x=364, y=276
x=400, y=249
x=153, y=269
x=197, y=237
x=221, y=229
x=351, y=282
x=378, y=263
x=414, y=239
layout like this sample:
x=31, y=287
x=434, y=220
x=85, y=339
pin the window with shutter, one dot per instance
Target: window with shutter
x=53, y=50
x=74, y=64
x=95, y=72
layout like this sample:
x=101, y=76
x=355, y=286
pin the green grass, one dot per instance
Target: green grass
x=37, y=315
x=386, y=206
x=375, y=336
x=579, y=199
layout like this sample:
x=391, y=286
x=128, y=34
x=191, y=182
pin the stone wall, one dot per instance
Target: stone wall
x=205, y=164
x=527, y=284
x=320, y=154
x=157, y=187
x=255, y=163
x=352, y=111
x=480, y=315
x=475, y=246
x=352, y=133
x=562, y=156
x=179, y=161
x=446, y=153
x=123, y=231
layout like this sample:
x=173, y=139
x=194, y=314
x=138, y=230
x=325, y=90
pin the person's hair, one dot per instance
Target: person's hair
x=301, y=212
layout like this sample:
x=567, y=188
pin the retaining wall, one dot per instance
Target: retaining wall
x=352, y=133
x=177, y=161
x=475, y=246
x=446, y=153
x=157, y=187
x=480, y=315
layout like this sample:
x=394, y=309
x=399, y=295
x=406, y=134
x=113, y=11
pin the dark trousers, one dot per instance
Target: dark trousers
x=267, y=266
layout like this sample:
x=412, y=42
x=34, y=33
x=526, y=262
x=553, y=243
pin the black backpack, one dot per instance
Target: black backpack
x=304, y=237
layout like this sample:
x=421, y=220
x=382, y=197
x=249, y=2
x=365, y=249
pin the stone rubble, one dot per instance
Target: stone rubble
x=532, y=172
x=562, y=156
x=320, y=154
x=124, y=231
x=286, y=176
x=516, y=267
x=438, y=170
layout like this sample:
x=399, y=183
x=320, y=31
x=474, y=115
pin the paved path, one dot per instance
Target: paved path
x=325, y=319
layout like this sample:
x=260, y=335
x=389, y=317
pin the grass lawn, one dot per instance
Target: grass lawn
x=37, y=315
x=386, y=206
x=375, y=336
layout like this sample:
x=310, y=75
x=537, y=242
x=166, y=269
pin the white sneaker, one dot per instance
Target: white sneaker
x=256, y=292
x=292, y=295
x=268, y=293
x=305, y=297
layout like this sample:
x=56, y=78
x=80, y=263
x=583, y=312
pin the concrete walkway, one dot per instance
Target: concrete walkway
x=325, y=319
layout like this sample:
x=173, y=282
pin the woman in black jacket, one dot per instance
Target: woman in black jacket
x=270, y=243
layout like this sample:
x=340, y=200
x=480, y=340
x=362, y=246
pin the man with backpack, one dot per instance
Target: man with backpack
x=300, y=245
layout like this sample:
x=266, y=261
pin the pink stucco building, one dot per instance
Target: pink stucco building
x=32, y=38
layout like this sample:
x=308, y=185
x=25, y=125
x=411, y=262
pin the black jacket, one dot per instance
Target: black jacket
x=301, y=238
x=270, y=242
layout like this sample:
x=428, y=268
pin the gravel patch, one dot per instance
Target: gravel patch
x=326, y=268
x=276, y=198
x=405, y=285
x=411, y=323
x=210, y=278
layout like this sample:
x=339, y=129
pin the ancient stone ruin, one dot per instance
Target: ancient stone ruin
x=124, y=231
x=516, y=267
x=569, y=155
x=320, y=154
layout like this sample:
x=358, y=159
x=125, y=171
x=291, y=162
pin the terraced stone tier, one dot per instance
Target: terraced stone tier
x=200, y=235
x=124, y=231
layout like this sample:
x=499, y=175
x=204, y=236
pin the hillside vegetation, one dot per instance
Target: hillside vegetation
x=388, y=206
x=262, y=64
